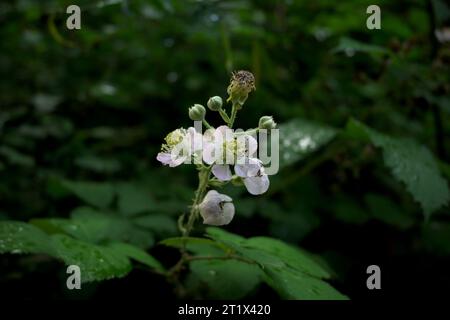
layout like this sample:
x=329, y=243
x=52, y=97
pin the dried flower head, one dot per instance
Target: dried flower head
x=242, y=83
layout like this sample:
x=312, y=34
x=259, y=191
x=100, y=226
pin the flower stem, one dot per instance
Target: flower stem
x=206, y=124
x=224, y=115
x=203, y=176
x=234, y=110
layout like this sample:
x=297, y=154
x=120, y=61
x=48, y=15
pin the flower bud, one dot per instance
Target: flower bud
x=267, y=122
x=216, y=209
x=215, y=103
x=197, y=112
x=242, y=83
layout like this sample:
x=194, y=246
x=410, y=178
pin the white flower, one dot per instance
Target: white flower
x=222, y=148
x=252, y=173
x=181, y=145
x=216, y=209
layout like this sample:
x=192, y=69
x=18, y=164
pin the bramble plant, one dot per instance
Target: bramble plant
x=214, y=151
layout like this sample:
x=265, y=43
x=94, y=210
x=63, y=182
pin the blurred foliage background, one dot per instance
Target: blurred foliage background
x=364, y=117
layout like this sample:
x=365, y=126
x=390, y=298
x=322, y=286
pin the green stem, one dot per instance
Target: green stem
x=224, y=115
x=234, y=110
x=206, y=124
x=199, y=194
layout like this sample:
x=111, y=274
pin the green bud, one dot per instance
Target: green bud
x=267, y=122
x=215, y=103
x=197, y=112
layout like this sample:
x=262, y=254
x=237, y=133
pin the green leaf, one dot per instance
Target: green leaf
x=19, y=237
x=93, y=226
x=133, y=200
x=411, y=164
x=137, y=254
x=223, y=279
x=292, y=272
x=97, y=164
x=300, y=138
x=95, y=262
x=294, y=257
x=225, y=236
x=296, y=285
x=160, y=224
x=387, y=211
x=179, y=242
x=94, y=193
x=15, y=157
x=351, y=46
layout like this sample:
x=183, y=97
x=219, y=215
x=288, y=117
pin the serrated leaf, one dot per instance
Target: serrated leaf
x=94, y=193
x=225, y=236
x=299, y=286
x=291, y=271
x=410, y=163
x=223, y=279
x=291, y=256
x=19, y=237
x=137, y=254
x=96, y=262
x=300, y=138
x=93, y=226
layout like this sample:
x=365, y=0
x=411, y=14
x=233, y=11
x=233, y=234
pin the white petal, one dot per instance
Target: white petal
x=222, y=172
x=251, y=168
x=208, y=153
x=164, y=158
x=196, y=140
x=257, y=185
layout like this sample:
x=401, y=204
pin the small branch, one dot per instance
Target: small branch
x=224, y=116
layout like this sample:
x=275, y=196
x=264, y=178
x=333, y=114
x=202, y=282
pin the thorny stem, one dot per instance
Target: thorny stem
x=173, y=274
x=199, y=194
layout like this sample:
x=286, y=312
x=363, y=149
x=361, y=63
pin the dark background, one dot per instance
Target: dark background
x=95, y=105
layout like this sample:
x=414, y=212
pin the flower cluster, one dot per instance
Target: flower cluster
x=218, y=153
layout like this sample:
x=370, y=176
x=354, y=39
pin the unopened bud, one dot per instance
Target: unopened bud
x=197, y=112
x=216, y=209
x=267, y=122
x=215, y=103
